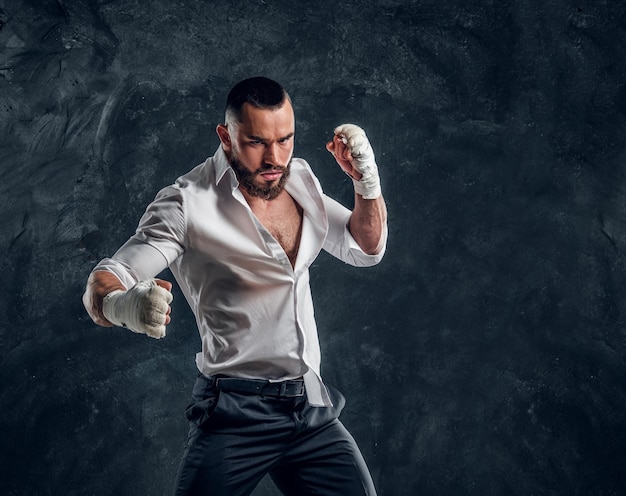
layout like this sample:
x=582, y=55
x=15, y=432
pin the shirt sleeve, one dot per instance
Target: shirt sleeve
x=158, y=241
x=340, y=243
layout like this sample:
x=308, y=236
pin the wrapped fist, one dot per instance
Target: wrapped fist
x=354, y=154
x=142, y=309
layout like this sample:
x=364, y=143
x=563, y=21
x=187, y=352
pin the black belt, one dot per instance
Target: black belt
x=284, y=389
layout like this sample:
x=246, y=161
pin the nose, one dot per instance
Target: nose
x=272, y=154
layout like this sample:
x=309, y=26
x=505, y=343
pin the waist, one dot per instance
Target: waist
x=281, y=389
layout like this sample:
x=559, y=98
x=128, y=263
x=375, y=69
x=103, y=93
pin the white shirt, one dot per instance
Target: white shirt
x=253, y=309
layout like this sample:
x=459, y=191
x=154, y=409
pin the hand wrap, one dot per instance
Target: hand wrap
x=363, y=160
x=142, y=309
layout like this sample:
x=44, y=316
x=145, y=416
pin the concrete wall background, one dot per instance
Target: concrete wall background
x=484, y=356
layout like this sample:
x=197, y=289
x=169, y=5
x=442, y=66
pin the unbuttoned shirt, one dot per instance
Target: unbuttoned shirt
x=254, y=311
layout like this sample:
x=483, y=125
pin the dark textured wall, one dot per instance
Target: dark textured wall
x=484, y=356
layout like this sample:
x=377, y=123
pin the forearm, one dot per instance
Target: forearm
x=367, y=223
x=353, y=152
x=100, y=284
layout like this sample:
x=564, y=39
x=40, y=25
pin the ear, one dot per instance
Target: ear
x=224, y=135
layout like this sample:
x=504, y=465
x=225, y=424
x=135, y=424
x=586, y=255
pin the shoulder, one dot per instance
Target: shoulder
x=200, y=176
x=299, y=165
x=177, y=194
x=302, y=176
x=207, y=175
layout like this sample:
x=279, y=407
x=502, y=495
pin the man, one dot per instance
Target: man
x=239, y=233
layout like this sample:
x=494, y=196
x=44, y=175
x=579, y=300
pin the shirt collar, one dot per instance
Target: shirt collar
x=222, y=166
x=304, y=188
x=301, y=185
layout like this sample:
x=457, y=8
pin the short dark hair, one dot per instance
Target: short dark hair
x=260, y=92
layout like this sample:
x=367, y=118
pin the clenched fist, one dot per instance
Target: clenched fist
x=354, y=154
x=142, y=309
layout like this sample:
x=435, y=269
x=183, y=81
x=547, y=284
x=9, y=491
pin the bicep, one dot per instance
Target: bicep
x=339, y=242
x=158, y=241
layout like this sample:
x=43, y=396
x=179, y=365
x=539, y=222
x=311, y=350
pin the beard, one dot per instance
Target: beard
x=246, y=179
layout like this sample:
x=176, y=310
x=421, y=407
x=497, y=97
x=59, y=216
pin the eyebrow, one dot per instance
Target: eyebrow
x=260, y=138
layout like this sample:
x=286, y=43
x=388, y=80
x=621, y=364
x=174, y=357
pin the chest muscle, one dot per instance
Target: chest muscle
x=285, y=225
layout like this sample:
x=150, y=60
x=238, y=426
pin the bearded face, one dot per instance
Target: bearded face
x=259, y=146
x=256, y=182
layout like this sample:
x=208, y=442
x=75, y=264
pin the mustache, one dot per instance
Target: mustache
x=271, y=168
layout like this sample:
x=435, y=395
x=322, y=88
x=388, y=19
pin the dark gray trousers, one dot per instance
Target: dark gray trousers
x=236, y=438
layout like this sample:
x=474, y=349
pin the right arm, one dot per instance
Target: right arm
x=135, y=300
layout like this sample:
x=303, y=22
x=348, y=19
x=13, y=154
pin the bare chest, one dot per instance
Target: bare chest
x=285, y=225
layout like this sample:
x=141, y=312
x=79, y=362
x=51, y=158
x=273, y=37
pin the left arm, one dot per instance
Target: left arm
x=367, y=223
x=354, y=154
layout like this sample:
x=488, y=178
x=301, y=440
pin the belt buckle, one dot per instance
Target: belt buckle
x=283, y=389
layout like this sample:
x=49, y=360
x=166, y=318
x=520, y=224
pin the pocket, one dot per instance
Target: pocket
x=204, y=398
x=339, y=401
x=317, y=416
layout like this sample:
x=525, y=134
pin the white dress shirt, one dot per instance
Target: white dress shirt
x=253, y=309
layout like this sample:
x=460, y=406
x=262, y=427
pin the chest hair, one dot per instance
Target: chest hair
x=284, y=222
